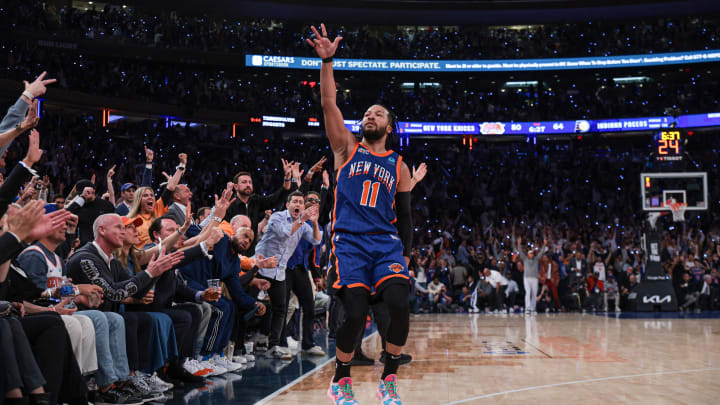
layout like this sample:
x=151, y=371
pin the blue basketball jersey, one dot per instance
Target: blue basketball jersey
x=365, y=192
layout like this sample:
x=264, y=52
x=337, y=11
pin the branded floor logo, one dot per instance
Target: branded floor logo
x=503, y=348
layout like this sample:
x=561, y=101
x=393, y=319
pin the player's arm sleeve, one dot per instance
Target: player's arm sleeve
x=404, y=221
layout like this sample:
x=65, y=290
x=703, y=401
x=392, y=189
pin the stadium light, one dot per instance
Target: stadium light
x=631, y=79
x=519, y=85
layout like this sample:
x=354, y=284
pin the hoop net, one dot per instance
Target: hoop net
x=677, y=209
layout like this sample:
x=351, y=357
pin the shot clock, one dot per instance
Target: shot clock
x=668, y=145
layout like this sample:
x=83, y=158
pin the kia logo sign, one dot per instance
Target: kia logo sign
x=655, y=299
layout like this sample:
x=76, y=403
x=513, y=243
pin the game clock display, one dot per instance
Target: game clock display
x=668, y=145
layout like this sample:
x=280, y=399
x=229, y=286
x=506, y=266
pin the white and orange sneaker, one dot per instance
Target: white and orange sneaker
x=193, y=367
x=341, y=392
x=387, y=391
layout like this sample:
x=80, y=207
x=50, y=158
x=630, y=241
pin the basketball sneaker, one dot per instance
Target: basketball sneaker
x=278, y=352
x=387, y=391
x=341, y=392
x=314, y=351
x=156, y=384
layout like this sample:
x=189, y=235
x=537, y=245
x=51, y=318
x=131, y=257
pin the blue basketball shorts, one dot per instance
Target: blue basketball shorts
x=366, y=260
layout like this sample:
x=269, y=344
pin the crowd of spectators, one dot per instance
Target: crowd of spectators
x=469, y=197
x=89, y=307
x=266, y=36
x=452, y=99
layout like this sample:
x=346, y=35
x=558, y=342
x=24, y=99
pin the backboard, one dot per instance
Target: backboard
x=657, y=189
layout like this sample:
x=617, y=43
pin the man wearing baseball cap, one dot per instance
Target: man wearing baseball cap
x=127, y=193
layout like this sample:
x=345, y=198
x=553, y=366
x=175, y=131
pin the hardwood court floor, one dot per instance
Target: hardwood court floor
x=557, y=359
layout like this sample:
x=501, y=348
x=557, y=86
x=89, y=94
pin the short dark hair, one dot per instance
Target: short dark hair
x=201, y=211
x=240, y=174
x=312, y=192
x=156, y=226
x=295, y=194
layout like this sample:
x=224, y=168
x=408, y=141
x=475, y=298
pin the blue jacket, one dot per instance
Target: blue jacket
x=225, y=265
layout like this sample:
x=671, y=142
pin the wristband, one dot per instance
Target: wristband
x=179, y=233
x=287, y=180
x=52, y=308
x=327, y=60
x=323, y=187
x=180, y=167
x=28, y=95
x=218, y=219
x=76, y=290
x=295, y=179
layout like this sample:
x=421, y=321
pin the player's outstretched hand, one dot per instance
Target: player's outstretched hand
x=323, y=47
x=418, y=174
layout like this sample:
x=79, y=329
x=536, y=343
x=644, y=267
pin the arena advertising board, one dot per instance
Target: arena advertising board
x=407, y=128
x=494, y=128
x=698, y=120
x=488, y=65
x=534, y=128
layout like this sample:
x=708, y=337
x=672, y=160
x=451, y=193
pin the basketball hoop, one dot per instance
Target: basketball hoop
x=677, y=209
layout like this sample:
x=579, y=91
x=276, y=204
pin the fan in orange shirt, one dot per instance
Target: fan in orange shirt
x=145, y=206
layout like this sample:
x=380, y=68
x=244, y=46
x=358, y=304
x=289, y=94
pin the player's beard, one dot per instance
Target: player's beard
x=373, y=135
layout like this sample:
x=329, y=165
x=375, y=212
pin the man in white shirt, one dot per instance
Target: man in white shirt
x=499, y=284
x=434, y=288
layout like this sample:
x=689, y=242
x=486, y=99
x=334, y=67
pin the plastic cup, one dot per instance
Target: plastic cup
x=214, y=284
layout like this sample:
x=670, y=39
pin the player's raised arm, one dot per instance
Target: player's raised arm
x=341, y=139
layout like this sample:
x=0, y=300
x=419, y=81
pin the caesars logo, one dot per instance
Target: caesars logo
x=397, y=268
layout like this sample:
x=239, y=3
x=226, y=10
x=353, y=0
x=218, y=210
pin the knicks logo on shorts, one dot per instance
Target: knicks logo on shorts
x=397, y=268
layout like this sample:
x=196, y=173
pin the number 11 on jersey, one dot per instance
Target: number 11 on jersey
x=367, y=185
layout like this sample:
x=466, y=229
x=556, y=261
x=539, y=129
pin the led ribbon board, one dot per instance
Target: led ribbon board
x=489, y=65
x=496, y=128
x=526, y=128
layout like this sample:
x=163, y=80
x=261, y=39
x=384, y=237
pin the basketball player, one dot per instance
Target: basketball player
x=369, y=255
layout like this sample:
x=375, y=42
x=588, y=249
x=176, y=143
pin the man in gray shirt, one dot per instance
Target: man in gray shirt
x=531, y=264
x=282, y=234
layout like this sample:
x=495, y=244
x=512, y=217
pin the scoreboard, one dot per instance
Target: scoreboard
x=668, y=145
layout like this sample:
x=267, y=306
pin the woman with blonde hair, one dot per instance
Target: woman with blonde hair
x=145, y=206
